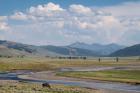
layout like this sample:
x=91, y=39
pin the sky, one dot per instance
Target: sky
x=62, y=22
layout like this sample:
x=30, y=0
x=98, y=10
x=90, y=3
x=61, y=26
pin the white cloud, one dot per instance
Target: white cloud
x=80, y=9
x=53, y=24
x=41, y=12
x=4, y=26
x=19, y=16
x=45, y=10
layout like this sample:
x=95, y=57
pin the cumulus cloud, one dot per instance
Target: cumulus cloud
x=53, y=24
x=80, y=9
x=4, y=26
x=45, y=10
x=40, y=12
x=19, y=16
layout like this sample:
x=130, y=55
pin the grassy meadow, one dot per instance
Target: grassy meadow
x=41, y=64
x=124, y=76
x=45, y=64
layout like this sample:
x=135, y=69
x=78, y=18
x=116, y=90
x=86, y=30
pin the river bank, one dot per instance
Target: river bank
x=50, y=76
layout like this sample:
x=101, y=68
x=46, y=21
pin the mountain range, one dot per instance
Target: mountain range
x=75, y=49
x=101, y=49
x=128, y=51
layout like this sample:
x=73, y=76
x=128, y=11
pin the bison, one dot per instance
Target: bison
x=46, y=85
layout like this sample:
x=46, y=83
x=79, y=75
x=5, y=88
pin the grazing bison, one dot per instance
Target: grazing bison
x=46, y=85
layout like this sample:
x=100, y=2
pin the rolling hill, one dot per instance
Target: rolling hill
x=102, y=49
x=75, y=49
x=27, y=49
x=13, y=48
x=128, y=51
x=18, y=46
x=4, y=51
x=66, y=50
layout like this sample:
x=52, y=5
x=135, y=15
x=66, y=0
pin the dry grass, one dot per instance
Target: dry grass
x=51, y=64
x=18, y=87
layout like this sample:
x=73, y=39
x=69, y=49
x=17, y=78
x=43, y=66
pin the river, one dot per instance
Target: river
x=73, y=82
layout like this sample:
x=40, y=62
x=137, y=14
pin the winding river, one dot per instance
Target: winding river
x=72, y=82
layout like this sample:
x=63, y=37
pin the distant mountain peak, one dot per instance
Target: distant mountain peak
x=103, y=49
x=128, y=51
x=113, y=44
x=78, y=43
x=80, y=47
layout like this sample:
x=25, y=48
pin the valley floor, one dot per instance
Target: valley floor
x=11, y=86
x=56, y=69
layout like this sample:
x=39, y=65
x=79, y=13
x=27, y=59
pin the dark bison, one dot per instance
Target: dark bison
x=46, y=85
